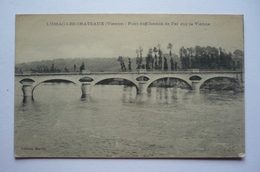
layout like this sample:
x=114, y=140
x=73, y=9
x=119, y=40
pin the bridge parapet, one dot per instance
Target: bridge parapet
x=141, y=85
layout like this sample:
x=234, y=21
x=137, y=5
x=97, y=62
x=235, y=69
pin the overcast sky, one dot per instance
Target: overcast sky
x=38, y=39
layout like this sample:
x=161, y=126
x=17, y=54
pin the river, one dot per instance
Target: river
x=116, y=122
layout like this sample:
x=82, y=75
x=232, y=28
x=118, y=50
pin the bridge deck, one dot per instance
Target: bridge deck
x=133, y=72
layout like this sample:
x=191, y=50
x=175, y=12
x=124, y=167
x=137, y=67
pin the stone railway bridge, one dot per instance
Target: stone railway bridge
x=141, y=79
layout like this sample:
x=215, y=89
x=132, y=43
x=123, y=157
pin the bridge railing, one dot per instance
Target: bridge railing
x=141, y=71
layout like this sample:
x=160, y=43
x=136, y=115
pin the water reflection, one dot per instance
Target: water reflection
x=168, y=95
x=27, y=100
x=28, y=104
x=117, y=115
x=129, y=94
x=86, y=98
x=125, y=94
x=141, y=98
x=156, y=95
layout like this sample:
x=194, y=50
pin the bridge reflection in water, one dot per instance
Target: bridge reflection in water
x=141, y=80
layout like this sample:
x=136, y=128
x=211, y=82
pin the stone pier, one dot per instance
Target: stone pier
x=86, y=87
x=142, y=87
x=195, y=85
x=27, y=90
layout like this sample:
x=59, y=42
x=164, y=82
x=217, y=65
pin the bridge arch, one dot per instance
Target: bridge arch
x=232, y=78
x=142, y=78
x=195, y=78
x=170, y=77
x=125, y=78
x=26, y=80
x=86, y=79
x=52, y=79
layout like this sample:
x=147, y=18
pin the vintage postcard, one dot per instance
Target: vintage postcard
x=129, y=86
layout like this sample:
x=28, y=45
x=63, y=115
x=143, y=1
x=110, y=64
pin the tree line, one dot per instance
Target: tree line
x=208, y=58
x=155, y=59
x=197, y=57
x=51, y=69
x=68, y=65
x=190, y=58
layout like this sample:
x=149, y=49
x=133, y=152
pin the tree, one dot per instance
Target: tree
x=165, y=66
x=170, y=47
x=208, y=54
x=160, y=57
x=140, y=51
x=120, y=59
x=52, y=67
x=238, y=53
x=82, y=67
x=215, y=56
x=238, y=59
x=149, y=58
x=122, y=64
x=183, y=56
x=155, y=50
x=206, y=58
x=129, y=64
x=221, y=58
x=190, y=58
x=172, y=64
x=176, y=65
x=155, y=58
x=138, y=59
x=152, y=62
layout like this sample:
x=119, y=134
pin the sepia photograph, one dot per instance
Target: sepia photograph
x=129, y=86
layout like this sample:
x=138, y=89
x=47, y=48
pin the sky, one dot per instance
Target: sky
x=47, y=37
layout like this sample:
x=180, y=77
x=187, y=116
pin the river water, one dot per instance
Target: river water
x=116, y=122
